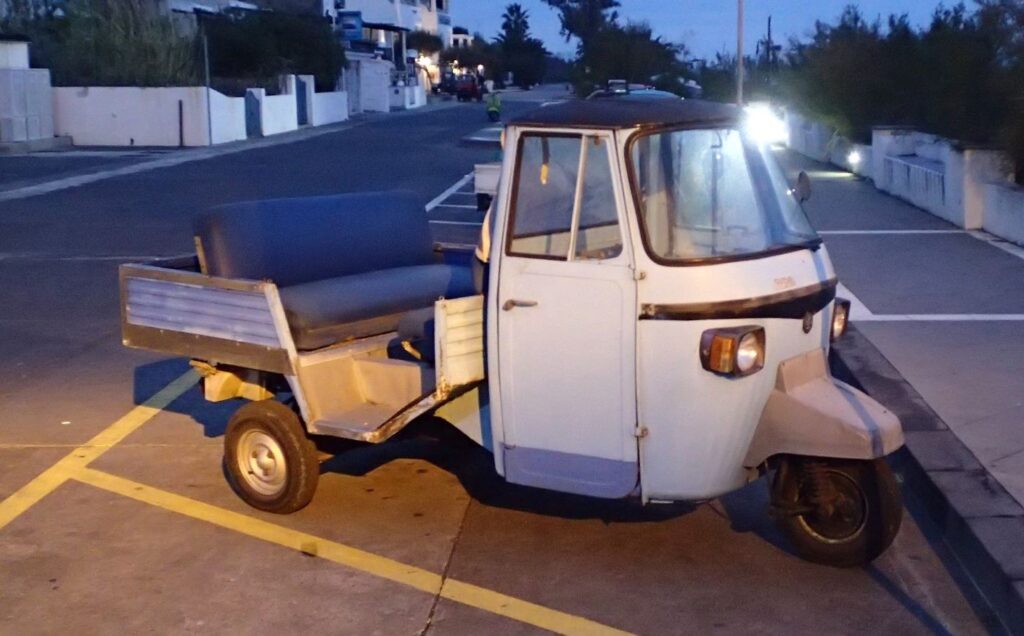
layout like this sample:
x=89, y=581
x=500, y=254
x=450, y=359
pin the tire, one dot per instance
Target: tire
x=269, y=461
x=862, y=519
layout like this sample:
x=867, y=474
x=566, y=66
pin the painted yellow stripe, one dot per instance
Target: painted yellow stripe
x=51, y=478
x=520, y=610
x=355, y=558
x=259, y=529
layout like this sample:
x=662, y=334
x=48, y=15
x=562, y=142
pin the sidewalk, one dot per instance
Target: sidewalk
x=939, y=315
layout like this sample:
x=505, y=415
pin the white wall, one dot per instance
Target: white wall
x=1004, y=211
x=329, y=108
x=279, y=114
x=14, y=55
x=26, y=104
x=407, y=97
x=227, y=117
x=374, y=84
x=125, y=116
x=130, y=116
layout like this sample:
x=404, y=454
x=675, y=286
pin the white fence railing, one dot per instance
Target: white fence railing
x=920, y=181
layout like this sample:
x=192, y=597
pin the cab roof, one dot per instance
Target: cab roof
x=630, y=112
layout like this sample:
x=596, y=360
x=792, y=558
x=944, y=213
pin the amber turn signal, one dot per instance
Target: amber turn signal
x=840, y=318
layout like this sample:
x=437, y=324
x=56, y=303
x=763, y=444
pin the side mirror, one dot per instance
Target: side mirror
x=803, y=187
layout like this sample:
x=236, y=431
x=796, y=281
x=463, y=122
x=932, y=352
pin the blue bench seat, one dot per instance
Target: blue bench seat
x=347, y=266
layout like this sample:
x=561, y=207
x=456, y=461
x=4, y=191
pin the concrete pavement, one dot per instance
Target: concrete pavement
x=963, y=344
x=939, y=336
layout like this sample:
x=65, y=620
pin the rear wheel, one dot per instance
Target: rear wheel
x=270, y=462
x=842, y=513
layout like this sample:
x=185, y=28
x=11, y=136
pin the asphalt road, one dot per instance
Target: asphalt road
x=417, y=536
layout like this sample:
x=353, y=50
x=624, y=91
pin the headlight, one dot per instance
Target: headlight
x=735, y=351
x=840, y=318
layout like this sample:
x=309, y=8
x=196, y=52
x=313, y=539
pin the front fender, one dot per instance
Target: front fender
x=811, y=413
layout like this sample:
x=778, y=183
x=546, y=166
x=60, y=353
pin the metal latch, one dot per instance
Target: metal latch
x=640, y=432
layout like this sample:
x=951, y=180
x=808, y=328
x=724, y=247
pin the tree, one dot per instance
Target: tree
x=425, y=42
x=632, y=53
x=118, y=43
x=260, y=45
x=583, y=19
x=607, y=50
x=515, y=24
x=520, y=54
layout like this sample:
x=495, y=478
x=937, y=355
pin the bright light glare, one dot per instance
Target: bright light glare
x=764, y=126
x=854, y=158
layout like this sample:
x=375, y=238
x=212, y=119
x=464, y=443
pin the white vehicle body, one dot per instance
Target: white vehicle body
x=581, y=368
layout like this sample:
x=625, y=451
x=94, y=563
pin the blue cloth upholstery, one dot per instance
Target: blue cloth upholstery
x=336, y=309
x=293, y=241
x=347, y=266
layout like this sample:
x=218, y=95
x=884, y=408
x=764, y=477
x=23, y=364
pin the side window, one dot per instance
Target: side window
x=598, y=236
x=545, y=200
x=544, y=196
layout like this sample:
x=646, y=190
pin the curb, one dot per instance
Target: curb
x=981, y=524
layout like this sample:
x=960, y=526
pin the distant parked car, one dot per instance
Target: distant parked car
x=468, y=88
x=643, y=92
x=447, y=83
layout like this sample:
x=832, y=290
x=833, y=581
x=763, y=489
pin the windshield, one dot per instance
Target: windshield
x=713, y=193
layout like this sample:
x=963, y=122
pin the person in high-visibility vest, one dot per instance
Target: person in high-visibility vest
x=494, y=106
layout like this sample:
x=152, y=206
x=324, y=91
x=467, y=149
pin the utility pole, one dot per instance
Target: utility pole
x=739, y=52
x=206, y=72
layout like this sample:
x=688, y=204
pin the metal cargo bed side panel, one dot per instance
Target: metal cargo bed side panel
x=190, y=314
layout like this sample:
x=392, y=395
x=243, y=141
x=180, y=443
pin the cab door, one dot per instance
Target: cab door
x=566, y=320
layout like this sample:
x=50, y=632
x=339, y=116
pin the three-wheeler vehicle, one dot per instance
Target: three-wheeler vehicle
x=654, y=324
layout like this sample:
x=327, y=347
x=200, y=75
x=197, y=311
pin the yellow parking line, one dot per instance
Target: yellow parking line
x=51, y=478
x=376, y=565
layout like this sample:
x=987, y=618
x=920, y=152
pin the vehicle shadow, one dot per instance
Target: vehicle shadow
x=434, y=441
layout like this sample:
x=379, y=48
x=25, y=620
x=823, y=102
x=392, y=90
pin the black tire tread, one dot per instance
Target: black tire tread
x=885, y=514
x=303, y=464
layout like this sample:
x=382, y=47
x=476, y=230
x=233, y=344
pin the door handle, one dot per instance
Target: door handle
x=512, y=304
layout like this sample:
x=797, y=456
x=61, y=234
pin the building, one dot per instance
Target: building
x=461, y=39
x=432, y=16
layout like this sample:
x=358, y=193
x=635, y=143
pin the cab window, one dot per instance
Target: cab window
x=549, y=220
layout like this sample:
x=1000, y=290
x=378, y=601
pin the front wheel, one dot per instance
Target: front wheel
x=835, y=512
x=270, y=462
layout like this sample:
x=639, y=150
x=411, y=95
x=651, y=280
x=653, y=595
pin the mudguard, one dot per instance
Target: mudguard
x=811, y=413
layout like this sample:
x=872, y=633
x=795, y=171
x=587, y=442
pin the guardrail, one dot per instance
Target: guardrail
x=916, y=180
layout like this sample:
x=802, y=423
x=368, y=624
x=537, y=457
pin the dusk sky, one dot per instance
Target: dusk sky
x=705, y=26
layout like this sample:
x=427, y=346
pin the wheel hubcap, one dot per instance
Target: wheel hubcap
x=843, y=516
x=261, y=462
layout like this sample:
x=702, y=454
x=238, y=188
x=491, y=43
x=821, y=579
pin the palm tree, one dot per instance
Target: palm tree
x=515, y=24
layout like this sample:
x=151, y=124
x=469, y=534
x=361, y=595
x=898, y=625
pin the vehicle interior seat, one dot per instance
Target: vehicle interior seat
x=347, y=266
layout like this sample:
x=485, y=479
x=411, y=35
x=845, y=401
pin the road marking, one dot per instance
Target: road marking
x=34, y=256
x=175, y=158
x=859, y=312
x=368, y=562
x=943, y=318
x=51, y=478
x=450, y=191
x=883, y=232
x=995, y=241
x=456, y=205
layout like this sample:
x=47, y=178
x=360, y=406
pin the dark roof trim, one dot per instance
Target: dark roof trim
x=14, y=37
x=628, y=112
